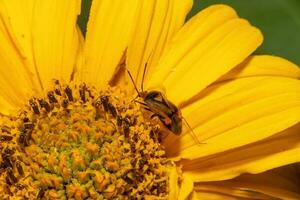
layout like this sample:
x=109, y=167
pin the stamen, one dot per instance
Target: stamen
x=19, y=168
x=112, y=110
x=65, y=103
x=11, y=175
x=6, y=160
x=82, y=91
x=69, y=94
x=51, y=97
x=5, y=138
x=34, y=106
x=5, y=129
x=41, y=193
x=104, y=101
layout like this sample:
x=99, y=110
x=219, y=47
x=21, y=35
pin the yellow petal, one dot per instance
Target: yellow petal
x=109, y=29
x=193, y=63
x=239, y=112
x=211, y=195
x=277, y=183
x=44, y=35
x=263, y=65
x=218, y=53
x=193, y=32
x=15, y=84
x=80, y=57
x=55, y=39
x=173, y=182
x=17, y=20
x=5, y=107
x=157, y=22
x=186, y=188
x=222, y=191
x=276, y=151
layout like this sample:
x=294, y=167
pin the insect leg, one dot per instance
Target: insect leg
x=193, y=133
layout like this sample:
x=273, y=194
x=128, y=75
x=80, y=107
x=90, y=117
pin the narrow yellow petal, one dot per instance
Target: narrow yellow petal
x=231, y=193
x=279, y=183
x=236, y=113
x=55, y=39
x=17, y=19
x=158, y=21
x=173, y=182
x=211, y=195
x=80, y=58
x=15, y=85
x=279, y=150
x=109, y=29
x=186, y=187
x=264, y=65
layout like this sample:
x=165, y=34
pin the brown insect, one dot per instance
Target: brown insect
x=156, y=102
x=168, y=114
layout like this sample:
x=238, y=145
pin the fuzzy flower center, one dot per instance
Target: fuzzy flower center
x=80, y=143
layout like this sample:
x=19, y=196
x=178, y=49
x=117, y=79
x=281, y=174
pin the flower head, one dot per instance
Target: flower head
x=72, y=127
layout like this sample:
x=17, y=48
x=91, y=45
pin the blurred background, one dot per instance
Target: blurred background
x=279, y=20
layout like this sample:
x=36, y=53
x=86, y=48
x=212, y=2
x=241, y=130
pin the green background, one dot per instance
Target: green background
x=279, y=20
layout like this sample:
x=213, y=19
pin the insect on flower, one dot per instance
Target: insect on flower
x=168, y=114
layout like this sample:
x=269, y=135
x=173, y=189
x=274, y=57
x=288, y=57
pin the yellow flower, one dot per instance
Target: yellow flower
x=243, y=110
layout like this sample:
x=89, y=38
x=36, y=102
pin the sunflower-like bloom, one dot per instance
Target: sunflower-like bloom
x=207, y=111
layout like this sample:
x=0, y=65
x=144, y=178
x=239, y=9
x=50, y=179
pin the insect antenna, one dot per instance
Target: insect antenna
x=133, y=82
x=145, y=70
x=143, y=78
x=193, y=133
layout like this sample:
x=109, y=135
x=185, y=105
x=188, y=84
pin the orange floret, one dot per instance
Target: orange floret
x=57, y=182
x=74, y=135
x=113, y=166
x=62, y=162
x=98, y=179
x=66, y=173
x=52, y=160
x=82, y=176
x=78, y=160
x=110, y=191
x=76, y=191
x=92, y=148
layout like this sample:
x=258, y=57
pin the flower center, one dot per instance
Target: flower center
x=80, y=143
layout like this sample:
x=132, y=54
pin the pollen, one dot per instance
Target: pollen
x=81, y=143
